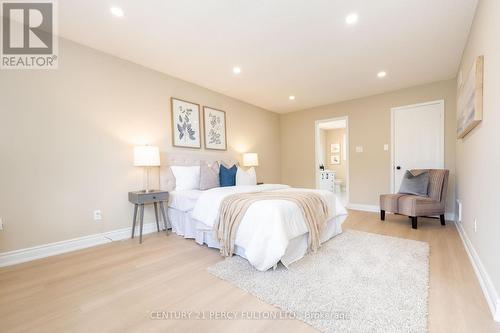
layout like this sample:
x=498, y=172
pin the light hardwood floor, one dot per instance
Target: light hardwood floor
x=114, y=287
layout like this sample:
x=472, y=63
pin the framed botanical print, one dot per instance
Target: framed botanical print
x=335, y=148
x=185, y=124
x=214, y=124
x=335, y=159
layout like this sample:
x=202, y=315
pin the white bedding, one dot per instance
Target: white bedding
x=184, y=201
x=268, y=226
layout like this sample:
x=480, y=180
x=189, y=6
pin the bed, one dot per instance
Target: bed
x=271, y=231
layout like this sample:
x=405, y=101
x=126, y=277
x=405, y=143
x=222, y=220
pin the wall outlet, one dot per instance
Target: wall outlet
x=1, y=223
x=97, y=215
x=386, y=147
x=475, y=225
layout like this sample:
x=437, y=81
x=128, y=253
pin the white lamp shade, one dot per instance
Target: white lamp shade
x=146, y=156
x=250, y=159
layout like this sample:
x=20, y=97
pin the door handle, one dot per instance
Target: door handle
x=398, y=167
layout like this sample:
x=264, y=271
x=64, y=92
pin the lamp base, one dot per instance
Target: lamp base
x=148, y=190
x=144, y=191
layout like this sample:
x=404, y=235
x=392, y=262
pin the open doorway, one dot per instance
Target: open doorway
x=332, y=156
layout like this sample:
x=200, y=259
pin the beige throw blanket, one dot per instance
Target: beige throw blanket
x=233, y=208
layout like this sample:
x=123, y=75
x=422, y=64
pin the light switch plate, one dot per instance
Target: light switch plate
x=1, y=223
x=359, y=149
x=97, y=215
x=386, y=147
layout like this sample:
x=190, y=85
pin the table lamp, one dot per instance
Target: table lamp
x=250, y=159
x=146, y=156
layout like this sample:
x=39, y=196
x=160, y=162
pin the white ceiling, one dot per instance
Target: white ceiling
x=284, y=47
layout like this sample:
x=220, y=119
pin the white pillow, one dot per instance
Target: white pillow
x=248, y=177
x=186, y=177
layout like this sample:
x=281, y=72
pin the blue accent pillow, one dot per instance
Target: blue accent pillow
x=227, y=176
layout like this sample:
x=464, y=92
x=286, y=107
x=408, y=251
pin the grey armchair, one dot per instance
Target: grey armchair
x=415, y=206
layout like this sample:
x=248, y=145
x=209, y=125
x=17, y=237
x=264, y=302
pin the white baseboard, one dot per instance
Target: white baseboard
x=496, y=316
x=47, y=250
x=489, y=290
x=124, y=233
x=364, y=208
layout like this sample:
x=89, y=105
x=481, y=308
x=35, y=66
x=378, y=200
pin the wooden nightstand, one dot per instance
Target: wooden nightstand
x=141, y=198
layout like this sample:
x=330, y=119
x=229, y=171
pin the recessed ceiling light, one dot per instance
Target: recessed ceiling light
x=291, y=97
x=236, y=70
x=116, y=11
x=351, y=18
x=381, y=74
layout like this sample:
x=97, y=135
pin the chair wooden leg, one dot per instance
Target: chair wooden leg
x=382, y=215
x=414, y=222
x=441, y=217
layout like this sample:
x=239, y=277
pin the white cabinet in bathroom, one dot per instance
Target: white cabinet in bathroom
x=327, y=180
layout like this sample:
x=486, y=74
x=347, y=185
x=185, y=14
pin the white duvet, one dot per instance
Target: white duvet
x=268, y=225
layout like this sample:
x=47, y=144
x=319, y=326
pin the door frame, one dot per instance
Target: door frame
x=441, y=144
x=316, y=151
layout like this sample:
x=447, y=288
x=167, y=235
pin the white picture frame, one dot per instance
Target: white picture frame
x=185, y=124
x=335, y=159
x=470, y=99
x=335, y=148
x=214, y=125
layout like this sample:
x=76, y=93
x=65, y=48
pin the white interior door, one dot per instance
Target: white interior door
x=418, y=139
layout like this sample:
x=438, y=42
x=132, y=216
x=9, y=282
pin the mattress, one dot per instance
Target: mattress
x=183, y=201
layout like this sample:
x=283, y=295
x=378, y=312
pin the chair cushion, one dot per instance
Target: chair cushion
x=416, y=184
x=413, y=205
x=389, y=202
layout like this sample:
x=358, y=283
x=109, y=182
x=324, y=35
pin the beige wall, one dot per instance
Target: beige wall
x=370, y=127
x=335, y=136
x=478, y=156
x=66, y=140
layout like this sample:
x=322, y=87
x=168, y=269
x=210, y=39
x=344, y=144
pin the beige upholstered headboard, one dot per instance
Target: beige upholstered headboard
x=167, y=179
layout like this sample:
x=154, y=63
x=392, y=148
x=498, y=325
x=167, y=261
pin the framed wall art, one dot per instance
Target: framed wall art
x=335, y=148
x=185, y=124
x=214, y=124
x=470, y=99
x=335, y=159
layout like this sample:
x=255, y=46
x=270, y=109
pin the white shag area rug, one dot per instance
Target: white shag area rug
x=356, y=282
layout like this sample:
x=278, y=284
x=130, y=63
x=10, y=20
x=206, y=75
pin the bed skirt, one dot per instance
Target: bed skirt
x=184, y=225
